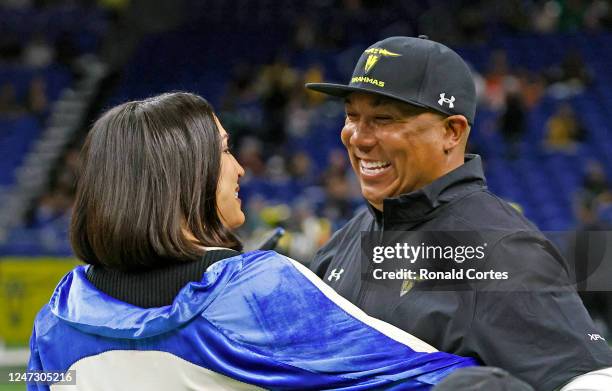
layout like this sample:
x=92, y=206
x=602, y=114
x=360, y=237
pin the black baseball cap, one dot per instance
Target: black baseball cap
x=418, y=71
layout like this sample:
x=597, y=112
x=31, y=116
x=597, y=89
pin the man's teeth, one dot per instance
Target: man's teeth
x=374, y=167
x=236, y=194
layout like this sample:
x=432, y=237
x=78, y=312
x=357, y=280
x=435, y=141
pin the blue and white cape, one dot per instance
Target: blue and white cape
x=256, y=320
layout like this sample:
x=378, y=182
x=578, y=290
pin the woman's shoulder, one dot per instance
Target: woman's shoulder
x=264, y=260
x=45, y=319
x=248, y=261
x=264, y=269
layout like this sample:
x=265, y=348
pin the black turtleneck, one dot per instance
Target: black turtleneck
x=153, y=288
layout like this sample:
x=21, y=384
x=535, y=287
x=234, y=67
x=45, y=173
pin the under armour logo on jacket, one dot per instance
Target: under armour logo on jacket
x=444, y=99
x=595, y=337
x=335, y=274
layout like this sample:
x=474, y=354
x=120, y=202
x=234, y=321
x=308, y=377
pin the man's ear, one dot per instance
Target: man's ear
x=456, y=131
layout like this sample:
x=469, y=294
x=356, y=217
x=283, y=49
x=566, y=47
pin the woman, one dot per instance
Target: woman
x=168, y=302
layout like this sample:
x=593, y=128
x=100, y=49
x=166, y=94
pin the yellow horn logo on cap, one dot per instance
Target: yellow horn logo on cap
x=372, y=59
x=375, y=54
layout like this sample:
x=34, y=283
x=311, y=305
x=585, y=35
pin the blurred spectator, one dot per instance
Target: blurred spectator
x=512, y=124
x=51, y=206
x=300, y=108
x=480, y=84
x=240, y=105
x=9, y=105
x=532, y=86
x=305, y=34
x=512, y=15
x=564, y=130
x=337, y=165
x=239, y=85
x=570, y=77
x=595, y=181
x=37, y=97
x=598, y=14
x=67, y=177
x=37, y=53
x=300, y=169
x=572, y=15
x=472, y=20
x=35, y=100
x=53, y=221
x=250, y=157
x=498, y=80
x=254, y=221
x=276, y=171
x=307, y=231
x=276, y=83
x=338, y=207
x=314, y=74
x=604, y=207
x=299, y=116
x=57, y=202
x=546, y=16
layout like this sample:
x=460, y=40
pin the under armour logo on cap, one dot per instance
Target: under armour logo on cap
x=444, y=99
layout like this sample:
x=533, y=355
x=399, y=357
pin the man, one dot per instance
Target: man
x=409, y=107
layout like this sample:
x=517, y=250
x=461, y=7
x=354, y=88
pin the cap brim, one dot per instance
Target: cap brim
x=341, y=91
x=338, y=90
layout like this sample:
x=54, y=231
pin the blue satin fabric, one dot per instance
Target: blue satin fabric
x=77, y=302
x=253, y=317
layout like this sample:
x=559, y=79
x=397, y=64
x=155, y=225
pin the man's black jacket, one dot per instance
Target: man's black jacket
x=542, y=335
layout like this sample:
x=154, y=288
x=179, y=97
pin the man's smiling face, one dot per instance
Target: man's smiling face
x=394, y=147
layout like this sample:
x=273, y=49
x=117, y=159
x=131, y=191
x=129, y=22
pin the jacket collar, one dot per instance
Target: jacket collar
x=416, y=205
x=80, y=304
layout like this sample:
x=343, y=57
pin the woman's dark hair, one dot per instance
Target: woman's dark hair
x=149, y=172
